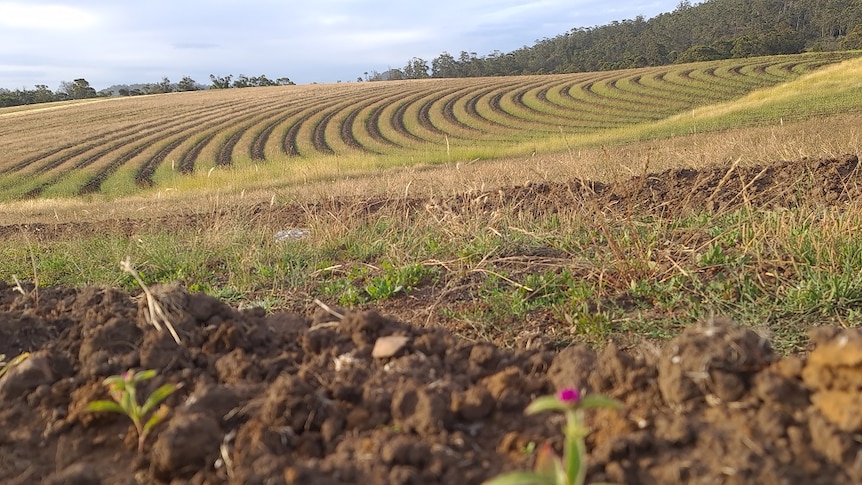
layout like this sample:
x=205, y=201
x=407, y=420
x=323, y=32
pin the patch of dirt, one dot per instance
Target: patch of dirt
x=287, y=398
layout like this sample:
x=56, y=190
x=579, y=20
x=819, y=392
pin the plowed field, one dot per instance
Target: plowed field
x=301, y=398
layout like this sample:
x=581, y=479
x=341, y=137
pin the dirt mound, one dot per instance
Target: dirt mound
x=282, y=398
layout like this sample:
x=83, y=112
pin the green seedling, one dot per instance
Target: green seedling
x=5, y=366
x=122, y=390
x=551, y=469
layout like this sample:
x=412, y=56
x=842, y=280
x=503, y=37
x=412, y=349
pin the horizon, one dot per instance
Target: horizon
x=109, y=44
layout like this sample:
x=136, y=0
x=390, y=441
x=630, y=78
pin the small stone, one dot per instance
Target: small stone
x=388, y=346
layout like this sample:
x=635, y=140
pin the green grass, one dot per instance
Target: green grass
x=595, y=278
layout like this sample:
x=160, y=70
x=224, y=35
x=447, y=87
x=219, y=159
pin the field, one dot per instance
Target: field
x=683, y=239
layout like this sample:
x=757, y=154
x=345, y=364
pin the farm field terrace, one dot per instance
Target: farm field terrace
x=683, y=239
x=293, y=135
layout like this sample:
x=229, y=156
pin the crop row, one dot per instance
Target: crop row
x=191, y=132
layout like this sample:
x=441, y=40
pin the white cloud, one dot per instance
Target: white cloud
x=49, y=17
x=111, y=42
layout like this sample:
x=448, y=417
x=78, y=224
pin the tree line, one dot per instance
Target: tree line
x=711, y=30
x=81, y=89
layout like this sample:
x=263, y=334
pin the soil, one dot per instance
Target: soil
x=343, y=397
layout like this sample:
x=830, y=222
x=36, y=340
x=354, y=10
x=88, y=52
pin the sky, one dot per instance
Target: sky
x=110, y=42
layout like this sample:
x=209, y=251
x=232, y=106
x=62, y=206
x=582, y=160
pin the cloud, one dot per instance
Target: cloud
x=49, y=17
x=110, y=42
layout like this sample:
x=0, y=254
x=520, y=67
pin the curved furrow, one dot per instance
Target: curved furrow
x=372, y=126
x=224, y=153
x=104, y=172
x=423, y=115
x=257, y=148
x=345, y=131
x=448, y=112
x=586, y=116
x=759, y=70
x=732, y=74
x=775, y=74
x=667, y=88
x=586, y=107
x=149, y=166
x=581, y=119
x=53, y=180
x=590, y=91
x=609, y=91
x=603, y=107
x=347, y=126
x=485, y=96
x=94, y=183
x=485, y=107
x=396, y=119
x=144, y=175
x=513, y=101
x=709, y=79
x=84, y=145
x=289, y=140
x=190, y=156
x=789, y=68
x=318, y=134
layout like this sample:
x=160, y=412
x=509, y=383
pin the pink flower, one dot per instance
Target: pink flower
x=569, y=395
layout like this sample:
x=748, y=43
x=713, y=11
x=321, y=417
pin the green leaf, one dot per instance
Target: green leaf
x=546, y=403
x=143, y=375
x=156, y=418
x=549, y=465
x=115, y=383
x=156, y=397
x=521, y=478
x=110, y=406
x=598, y=401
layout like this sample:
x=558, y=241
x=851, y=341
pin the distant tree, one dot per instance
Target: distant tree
x=444, y=65
x=42, y=94
x=853, y=39
x=77, y=89
x=284, y=81
x=124, y=92
x=242, y=81
x=187, y=84
x=262, y=81
x=416, y=68
x=220, y=82
x=699, y=53
x=161, y=87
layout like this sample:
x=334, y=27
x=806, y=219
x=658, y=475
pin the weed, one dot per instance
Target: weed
x=6, y=366
x=123, y=391
x=571, y=468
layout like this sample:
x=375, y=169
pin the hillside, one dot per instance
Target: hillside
x=715, y=29
x=231, y=137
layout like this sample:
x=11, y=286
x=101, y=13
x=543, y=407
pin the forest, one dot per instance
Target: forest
x=711, y=30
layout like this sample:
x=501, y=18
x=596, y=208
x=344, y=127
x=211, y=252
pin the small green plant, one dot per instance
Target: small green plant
x=122, y=390
x=551, y=469
x=5, y=366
